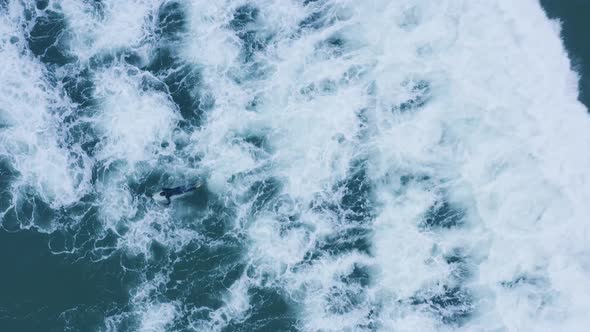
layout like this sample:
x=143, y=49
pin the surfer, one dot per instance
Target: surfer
x=165, y=194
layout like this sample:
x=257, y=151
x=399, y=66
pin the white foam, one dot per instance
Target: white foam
x=289, y=246
x=236, y=303
x=106, y=26
x=158, y=317
x=155, y=226
x=30, y=110
x=208, y=43
x=495, y=138
x=500, y=127
x=133, y=123
x=325, y=299
x=153, y=315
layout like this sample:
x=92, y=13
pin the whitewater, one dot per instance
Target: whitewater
x=406, y=165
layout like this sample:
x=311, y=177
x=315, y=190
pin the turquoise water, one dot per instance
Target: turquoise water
x=367, y=166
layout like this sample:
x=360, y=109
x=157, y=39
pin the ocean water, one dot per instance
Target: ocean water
x=376, y=165
x=572, y=18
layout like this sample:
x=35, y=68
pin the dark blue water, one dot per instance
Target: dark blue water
x=573, y=15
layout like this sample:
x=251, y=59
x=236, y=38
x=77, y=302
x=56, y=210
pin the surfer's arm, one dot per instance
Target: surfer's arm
x=189, y=188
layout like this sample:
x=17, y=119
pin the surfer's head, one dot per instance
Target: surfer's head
x=161, y=197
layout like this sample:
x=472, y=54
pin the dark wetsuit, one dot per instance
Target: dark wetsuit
x=169, y=192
